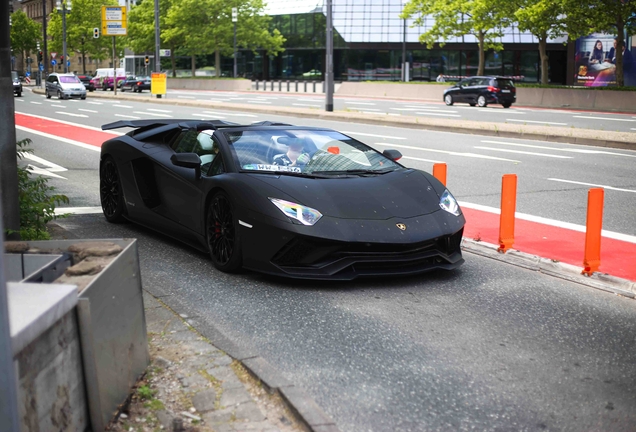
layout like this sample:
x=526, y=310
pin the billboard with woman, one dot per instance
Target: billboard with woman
x=595, y=61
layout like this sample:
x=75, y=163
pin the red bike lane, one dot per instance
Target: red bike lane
x=547, y=240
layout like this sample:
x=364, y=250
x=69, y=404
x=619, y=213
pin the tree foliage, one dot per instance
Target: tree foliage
x=25, y=34
x=484, y=19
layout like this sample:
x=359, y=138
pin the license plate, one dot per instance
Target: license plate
x=505, y=91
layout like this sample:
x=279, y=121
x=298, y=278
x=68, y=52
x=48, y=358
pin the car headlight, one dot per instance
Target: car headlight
x=449, y=203
x=304, y=215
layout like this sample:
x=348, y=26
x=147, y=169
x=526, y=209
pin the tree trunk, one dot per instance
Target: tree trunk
x=193, y=65
x=482, y=53
x=173, y=62
x=620, y=42
x=217, y=63
x=543, y=55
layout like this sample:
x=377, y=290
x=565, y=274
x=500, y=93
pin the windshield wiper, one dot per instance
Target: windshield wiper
x=288, y=173
x=355, y=172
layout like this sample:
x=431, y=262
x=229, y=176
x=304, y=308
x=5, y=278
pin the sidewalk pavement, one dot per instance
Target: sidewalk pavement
x=193, y=386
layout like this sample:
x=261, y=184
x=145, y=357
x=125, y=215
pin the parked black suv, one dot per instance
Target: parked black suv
x=17, y=85
x=482, y=91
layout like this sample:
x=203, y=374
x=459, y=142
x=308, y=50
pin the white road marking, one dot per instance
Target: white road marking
x=151, y=114
x=422, y=160
x=127, y=116
x=523, y=152
x=502, y=111
x=438, y=114
x=604, y=118
x=394, y=114
x=186, y=97
x=77, y=210
x=71, y=114
x=37, y=103
x=308, y=105
x=582, y=151
x=215, y=116
x=436, y=110
x=552, y=222
x=125, y=106
x=213, y=113
x=536, y=121
x=70, y=123
x=242, y=115
x=593, y=185
x=372, y=135
x=65, y=140
x=53, y=167
x=158, y=110
x=43, y=171
x=58, y=106
x=19, y=100
x=95, y=103
x=257, y=101
x=359, y=103
x=633, y=128
x=87, y=110
x=406, y=109
x=471, y=155
x=365, y=109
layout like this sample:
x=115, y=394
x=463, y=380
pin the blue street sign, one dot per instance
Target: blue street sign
x=41, y=68
x=68, y=63
x=53, y=62
x=27, y=74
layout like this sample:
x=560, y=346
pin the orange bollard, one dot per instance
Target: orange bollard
x=439, y=172
x=508, y=208
x=594, y=225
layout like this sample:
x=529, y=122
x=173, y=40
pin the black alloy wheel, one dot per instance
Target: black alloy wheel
x=110, y=192
x=222, y=234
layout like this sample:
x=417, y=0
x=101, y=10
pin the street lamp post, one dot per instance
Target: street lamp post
x=329, y=59
x=64, y=7
x=405, y=76
x=235, y=20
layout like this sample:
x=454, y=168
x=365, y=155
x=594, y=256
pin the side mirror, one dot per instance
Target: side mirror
x=187, y=160
x=394, y=155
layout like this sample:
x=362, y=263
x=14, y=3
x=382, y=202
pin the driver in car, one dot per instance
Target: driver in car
x=294, y=155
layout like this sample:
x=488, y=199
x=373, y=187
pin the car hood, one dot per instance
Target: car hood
x=403, y=193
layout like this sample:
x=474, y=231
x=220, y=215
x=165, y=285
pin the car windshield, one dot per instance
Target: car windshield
x=14, y=75
x=66, y=79
x=306, y=152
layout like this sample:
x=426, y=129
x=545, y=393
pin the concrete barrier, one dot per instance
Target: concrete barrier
x=573, y=98
x=209, y=84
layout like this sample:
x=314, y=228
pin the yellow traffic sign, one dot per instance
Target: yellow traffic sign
x=114, y=22
x=158, y=83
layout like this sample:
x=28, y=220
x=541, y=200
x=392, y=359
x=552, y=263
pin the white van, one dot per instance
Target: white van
x=103, y=78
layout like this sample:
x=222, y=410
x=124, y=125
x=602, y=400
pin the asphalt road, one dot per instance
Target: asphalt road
x=518, y=114
x=488, y=347
x=553, y=178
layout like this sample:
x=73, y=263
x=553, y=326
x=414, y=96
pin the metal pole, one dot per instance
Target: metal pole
x=8, y=160
x=157, y=41
x=329, y=59
x=404, y=52
x=114, y=69
x=45, y=55
x=64, y=35
x=9, y=201
x=235, y=69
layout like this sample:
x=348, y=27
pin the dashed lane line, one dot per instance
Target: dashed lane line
x=127, y=116
x=523, y=152
x=437, y=114
x=593, y=185
x=604, y=118
x=372, y=135
x=71, y=114
x=582, y=151
x=537, y=121
x=452, y=153
x=87, y=110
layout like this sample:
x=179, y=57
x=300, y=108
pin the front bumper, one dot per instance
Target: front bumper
x=345, y=249
x=74, y=93
x=17, y=89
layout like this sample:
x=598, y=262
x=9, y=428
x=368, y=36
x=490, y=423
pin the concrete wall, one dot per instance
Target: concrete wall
x=51, y=393
x=209, y=84
x=577, y=98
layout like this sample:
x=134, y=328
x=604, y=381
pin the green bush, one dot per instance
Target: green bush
x=37, y=203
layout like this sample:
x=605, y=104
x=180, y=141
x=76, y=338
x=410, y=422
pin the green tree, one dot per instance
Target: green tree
x=80, y=22
x=544, y=19
x=141, y=29
x=607, y=16
x=25, y=34
x=484, y=19
x=205, y=26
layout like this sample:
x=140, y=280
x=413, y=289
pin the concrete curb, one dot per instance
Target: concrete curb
x=623, y=140
x=601, y=281
x=301, y=404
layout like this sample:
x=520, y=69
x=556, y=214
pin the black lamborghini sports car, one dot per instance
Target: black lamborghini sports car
x=294, y=201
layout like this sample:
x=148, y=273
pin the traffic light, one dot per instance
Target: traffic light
x=146, y=60
x=96, y=32
x=40, y=56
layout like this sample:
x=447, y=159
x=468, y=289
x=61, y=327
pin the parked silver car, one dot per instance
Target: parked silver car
x=64, y=86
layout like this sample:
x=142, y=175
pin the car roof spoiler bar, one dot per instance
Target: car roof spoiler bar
x=152, y=123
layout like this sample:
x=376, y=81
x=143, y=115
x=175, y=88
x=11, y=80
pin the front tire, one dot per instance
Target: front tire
x=59, y=95
x=448, y=99
x=110, y=191
x=481, y=101
x=222, y=234
x=47, y=94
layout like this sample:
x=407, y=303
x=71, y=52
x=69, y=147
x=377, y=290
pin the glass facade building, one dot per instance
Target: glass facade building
x=368, y=41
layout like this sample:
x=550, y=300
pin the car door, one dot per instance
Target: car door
x=179, y=188
x=472, y=90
